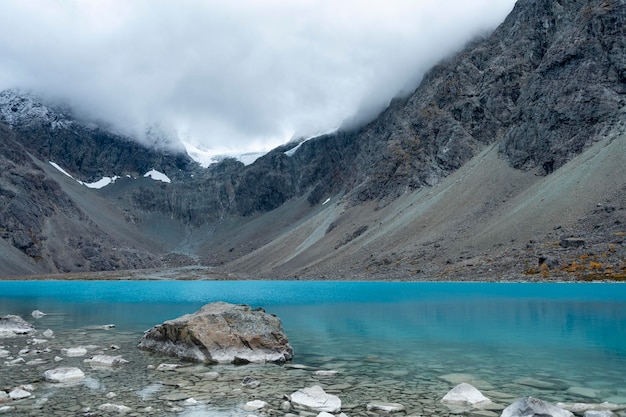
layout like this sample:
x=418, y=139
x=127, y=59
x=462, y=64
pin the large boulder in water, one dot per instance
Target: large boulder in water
x=221, y=333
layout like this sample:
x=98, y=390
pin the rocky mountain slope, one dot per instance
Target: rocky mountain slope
x=503, y=152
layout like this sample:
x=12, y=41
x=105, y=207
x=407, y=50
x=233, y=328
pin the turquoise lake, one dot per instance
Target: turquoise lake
x=568, y=335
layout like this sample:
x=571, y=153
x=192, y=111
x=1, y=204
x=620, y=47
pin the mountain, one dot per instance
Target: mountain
x=507, y=161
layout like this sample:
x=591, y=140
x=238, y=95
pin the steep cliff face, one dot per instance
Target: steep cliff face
x=43, y=222
x=547, y=84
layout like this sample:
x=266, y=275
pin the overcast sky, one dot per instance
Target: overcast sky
x=242, y=74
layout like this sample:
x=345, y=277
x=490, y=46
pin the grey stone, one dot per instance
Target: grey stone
x=385, y=407
x=106, y=361
x=37, y=314
x=572, y=242
x=532, y=407
x=64, y=374
x=19, y=394
x=316, y=399
x=465, y=394
x=595, y=413
x=12, y=325
x=114, y=408
x=221, y=333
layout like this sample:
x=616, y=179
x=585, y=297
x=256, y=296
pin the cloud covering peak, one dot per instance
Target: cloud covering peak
x=245, y=75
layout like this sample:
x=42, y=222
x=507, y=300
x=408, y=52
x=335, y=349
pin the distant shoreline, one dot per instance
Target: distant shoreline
x=202, y=273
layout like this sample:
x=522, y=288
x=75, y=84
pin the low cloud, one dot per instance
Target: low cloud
x=244, y=75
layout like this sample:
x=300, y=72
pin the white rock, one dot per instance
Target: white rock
x=63, y=374
x=16, y=361
x=19, y=394
x=113, y=408
x=105, y=361
x=581, y=407
x=529, y=406
x=27, y=387
x=167, y=367
x=325, y=373
x=465, y=394
x=190, y=401
x=315, y=398
x=11, y=325
x=4, y=353
x=4, y=397
x=325, y=414
x=58, y=359
x=5, y=409
x=254, y=405
x=37, y=314
x=383, y=407
x=598, y=413
x=211, y=376
x=48, y=333
x=75, y=351
x=111, y=395
x=36, y=341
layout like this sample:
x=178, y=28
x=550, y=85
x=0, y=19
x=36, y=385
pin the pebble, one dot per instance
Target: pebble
x=114, y=408
x=167, y=367
x=254, y=405
x=75, y=352
x=19, y=394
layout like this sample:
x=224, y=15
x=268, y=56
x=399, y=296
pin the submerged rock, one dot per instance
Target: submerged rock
x=598, y=413
x=254, y=405
x=581, y=407
x=316, y=399
x=383, y=407
x=63, y=374
x=465, y=394
x=12, y=325
x=221, y=333
x=19, y=394
x=105, y=361
x=75, y=351
x=114, y=408
x=37, y=314
x=532, y=407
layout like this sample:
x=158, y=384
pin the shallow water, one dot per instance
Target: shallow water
x=397, y=342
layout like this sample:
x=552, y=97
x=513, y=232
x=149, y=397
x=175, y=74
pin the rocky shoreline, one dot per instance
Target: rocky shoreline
x=98, y=371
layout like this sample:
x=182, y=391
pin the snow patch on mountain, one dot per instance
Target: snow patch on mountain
x=104, y=181
x=101, y=183
x=157, y=176
x=206, y=157
x=300, y=142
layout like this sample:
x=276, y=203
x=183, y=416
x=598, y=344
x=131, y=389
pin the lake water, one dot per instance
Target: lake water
x=402, y=342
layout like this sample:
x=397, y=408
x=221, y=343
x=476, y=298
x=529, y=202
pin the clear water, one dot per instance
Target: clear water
x=568, y=335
